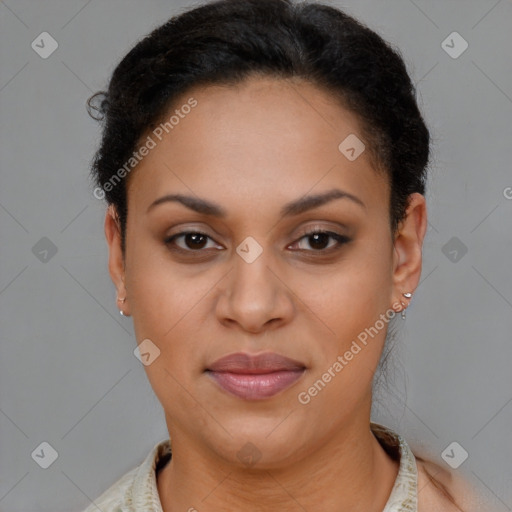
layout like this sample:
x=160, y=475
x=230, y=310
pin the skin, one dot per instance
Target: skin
x=251, y=148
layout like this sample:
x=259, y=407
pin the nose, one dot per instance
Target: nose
x=254, y=296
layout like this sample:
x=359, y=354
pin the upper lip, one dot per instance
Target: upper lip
x=241, y=362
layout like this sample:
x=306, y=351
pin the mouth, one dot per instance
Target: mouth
x=255, y=377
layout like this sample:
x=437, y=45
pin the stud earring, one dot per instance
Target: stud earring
x=121, y=312
x=407, y=295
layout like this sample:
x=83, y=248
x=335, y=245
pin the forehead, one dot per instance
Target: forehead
x=263, y=137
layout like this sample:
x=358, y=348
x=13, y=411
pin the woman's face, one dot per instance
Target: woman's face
x=251, y=280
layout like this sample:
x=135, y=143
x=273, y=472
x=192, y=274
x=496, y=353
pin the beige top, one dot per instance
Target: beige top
x=137, y=490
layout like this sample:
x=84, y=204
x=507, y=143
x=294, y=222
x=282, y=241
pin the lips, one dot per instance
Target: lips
x=255, y=377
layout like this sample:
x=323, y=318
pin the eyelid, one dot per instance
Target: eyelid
x=318, y=227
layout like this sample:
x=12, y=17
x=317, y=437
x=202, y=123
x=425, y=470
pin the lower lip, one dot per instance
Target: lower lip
x=256, y=386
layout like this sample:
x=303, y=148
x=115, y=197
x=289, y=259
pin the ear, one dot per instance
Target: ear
x=407, y=251
x=115, y=257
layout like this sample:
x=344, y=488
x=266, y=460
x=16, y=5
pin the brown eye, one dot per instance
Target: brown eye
x=192, y=241
x=318, y=241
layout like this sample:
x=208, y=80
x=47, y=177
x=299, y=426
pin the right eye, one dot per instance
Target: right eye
x=192, y=241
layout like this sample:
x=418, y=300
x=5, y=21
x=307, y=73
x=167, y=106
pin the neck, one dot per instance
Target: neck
x=350, y=472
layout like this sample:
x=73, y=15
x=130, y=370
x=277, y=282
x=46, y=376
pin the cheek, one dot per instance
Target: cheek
x=165, y=307
x=351, y=303
x=352, y=296
x=165, y=311
x=163, y=302
x=157, y=290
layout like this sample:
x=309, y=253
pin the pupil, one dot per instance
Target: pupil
x=324, y=237
x=195, y=237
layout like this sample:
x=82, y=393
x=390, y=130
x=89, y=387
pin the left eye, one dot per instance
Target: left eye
x=318, y=239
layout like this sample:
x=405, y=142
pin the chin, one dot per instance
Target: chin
x=261, y=443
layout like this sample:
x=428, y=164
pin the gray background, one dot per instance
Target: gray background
x=68, y=375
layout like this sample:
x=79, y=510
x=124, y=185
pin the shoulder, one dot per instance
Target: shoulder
x=136, y=489
x=440, y=490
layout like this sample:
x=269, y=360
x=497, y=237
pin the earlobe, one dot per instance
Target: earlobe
x=115, y=257
x=407, y=250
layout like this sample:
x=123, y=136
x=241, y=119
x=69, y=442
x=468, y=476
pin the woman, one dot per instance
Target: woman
x=264, y=163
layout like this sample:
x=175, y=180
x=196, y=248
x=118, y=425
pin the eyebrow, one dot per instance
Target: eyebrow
x=296, y=207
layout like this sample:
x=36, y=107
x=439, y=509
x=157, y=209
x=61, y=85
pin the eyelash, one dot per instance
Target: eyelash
x=340, y=239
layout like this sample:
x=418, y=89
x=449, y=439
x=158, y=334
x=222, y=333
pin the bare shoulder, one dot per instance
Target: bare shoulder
x=440, y=490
